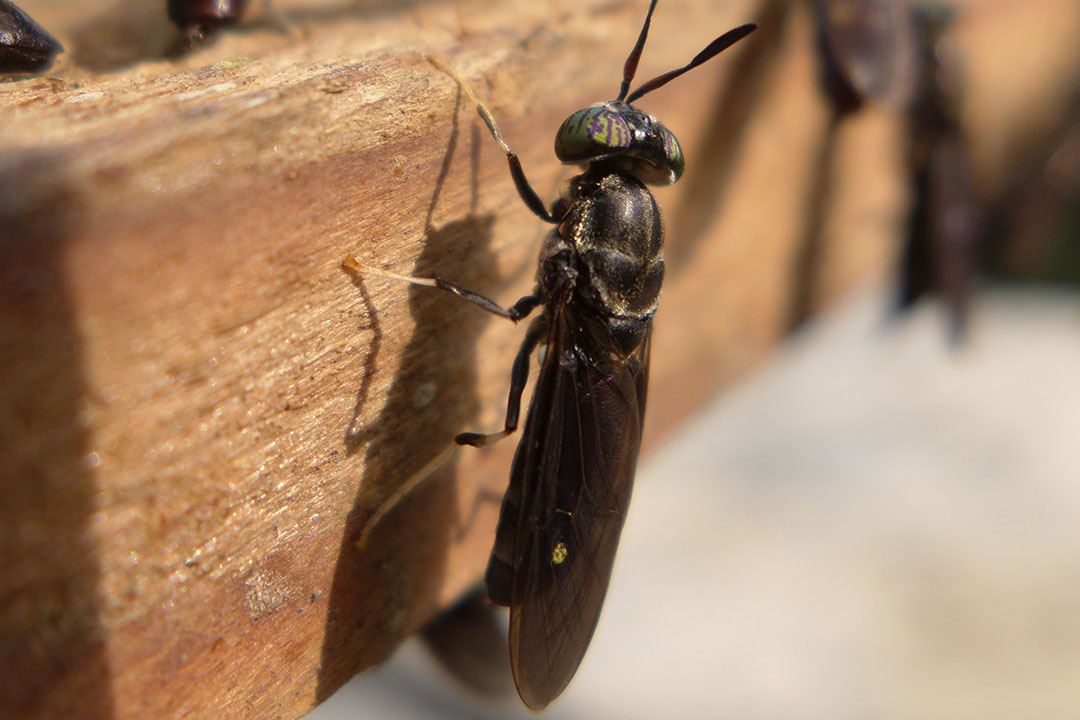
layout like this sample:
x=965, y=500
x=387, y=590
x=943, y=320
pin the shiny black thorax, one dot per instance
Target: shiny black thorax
x=606, y=253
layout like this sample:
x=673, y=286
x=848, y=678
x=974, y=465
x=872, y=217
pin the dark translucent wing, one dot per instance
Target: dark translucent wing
x=569, y=492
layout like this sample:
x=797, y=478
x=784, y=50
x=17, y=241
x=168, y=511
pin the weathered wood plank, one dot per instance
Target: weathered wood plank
x=201, y=409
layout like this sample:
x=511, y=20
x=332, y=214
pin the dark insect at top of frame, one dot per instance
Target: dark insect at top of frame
x=199, y=19
x=598, y=283
x=24, y=45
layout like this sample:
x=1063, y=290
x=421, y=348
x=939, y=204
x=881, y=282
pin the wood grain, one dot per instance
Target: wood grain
x=201, y=409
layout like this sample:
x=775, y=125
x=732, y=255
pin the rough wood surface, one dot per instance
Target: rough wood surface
x=199, y=410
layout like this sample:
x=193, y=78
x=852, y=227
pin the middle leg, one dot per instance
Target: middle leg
x=519, y=375
x=515, y=312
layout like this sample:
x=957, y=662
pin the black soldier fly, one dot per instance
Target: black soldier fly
x=945, y=228
x=24, y=45
x=867, y=53
x=598, y=284
x=198, y=19
x=867, y=50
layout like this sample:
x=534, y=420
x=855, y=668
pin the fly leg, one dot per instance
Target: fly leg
x=519, y=375
x=515, y=312
x=525, y=190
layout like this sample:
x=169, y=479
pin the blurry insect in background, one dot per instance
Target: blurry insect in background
x=598, y=283
x=889, y=52
x=945, y=228
x=867, y=54
x=199, y=19
x=24, y=45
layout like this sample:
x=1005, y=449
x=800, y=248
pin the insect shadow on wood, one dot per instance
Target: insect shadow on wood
x=429, y=398
x=53, y=624
x=597, y=287
x=356, y=437
x=438, y=365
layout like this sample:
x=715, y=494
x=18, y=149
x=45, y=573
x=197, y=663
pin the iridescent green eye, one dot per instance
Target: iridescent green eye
x=591, y=133
x=673, y=153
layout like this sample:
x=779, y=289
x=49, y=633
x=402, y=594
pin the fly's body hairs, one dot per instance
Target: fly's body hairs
x=598, y=285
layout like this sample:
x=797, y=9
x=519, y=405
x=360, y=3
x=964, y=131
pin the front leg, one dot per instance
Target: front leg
x=525, y=190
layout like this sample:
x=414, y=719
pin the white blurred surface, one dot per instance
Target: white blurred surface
x=873, y=526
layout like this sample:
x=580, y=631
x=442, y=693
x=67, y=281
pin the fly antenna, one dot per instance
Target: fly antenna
x=713, y=49
x=630, y=68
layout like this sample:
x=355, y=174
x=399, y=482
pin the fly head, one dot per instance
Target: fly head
x=618, y=135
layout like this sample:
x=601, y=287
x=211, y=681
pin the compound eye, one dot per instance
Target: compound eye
x=673, y=153
x=591, y=133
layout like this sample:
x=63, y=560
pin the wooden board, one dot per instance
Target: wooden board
x=201, y=410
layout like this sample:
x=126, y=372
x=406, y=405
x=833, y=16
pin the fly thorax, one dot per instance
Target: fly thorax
x=616, y=232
